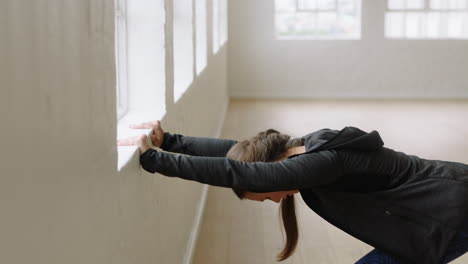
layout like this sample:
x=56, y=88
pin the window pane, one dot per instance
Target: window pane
x=307, y=4
x=394, y=25
x=201, y=36
x=326, y=4
x=346, y=6
x=306, y=24
x=434, y=25
x=440, y=23
x=312, y=21
x=457, y=4
x=347, y=25
x=438, y=4
x=183, y=47
x=443, y=24
x=465, y=26
x=326, y=23
x=121, y=58
x=414, y=25
x=222, y=8
x=285, y=5
x=396, y=4
x=455, y=26
x=415, y=4
x=286, y=24
x=215, y=24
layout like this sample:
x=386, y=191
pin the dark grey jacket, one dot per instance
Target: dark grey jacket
x=404, y=205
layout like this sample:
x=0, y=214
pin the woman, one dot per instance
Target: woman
x=412, y=210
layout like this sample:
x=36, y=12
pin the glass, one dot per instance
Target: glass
x=306, y=24
x=415, y=4
x=326, y=23
x=307, y=4
x=286, y=24
x=347, y=6
x=394, y=25
x=455, y=26
x=326, y=4
x=434, y=25
x=318, y=19
x=414, y=25
x=285, y=5
x=457, y=4
x=396, y=4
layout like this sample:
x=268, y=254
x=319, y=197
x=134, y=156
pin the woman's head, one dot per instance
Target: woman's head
x=270, y=146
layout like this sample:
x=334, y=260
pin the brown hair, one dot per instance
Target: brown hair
x=269, y=146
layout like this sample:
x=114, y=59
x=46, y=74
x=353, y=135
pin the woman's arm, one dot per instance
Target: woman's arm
x=196, y=146
x=301, y=172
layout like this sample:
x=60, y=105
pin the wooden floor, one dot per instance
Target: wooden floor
x=248, y=232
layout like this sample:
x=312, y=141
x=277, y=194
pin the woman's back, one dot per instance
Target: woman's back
x=415, y=205
x=388, y=169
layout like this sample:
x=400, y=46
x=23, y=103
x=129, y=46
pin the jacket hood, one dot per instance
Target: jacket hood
x=348, y=138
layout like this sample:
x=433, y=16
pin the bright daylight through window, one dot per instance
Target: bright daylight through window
x=121, y=57
x=220, y=24
x=427, y=19
x=183, y=47
x=318, y=19
x=201, y=35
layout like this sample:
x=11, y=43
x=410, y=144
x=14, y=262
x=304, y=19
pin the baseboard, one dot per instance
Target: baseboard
x=344, y=95
x=192, y=242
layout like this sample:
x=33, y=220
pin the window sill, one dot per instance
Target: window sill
x=129, y=155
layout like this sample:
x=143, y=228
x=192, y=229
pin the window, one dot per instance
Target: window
x=140, y=56
x=201, y=35
x=183, y=47
x=223, y=22
x=121, y=57
x=220, y=23
x=146, y=56
x=216, y=26
x=427, y=19
x=318, y=19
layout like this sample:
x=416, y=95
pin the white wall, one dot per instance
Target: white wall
x=373, y=67
x=61, y=197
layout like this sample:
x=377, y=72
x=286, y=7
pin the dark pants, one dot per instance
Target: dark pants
x=457, y=247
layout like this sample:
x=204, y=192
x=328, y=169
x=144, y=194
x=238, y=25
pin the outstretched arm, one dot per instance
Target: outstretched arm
x=195, y=146
x=301, y=172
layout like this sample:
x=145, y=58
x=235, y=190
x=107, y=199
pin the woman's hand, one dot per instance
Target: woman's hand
x=141, y=141
x=143, y=144
x=157, y=135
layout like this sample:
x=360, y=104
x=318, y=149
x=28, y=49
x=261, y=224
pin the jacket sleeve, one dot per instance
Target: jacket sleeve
x=196, y=146
x=303, y=171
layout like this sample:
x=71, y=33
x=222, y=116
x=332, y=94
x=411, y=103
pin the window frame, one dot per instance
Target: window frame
x=144, y=65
